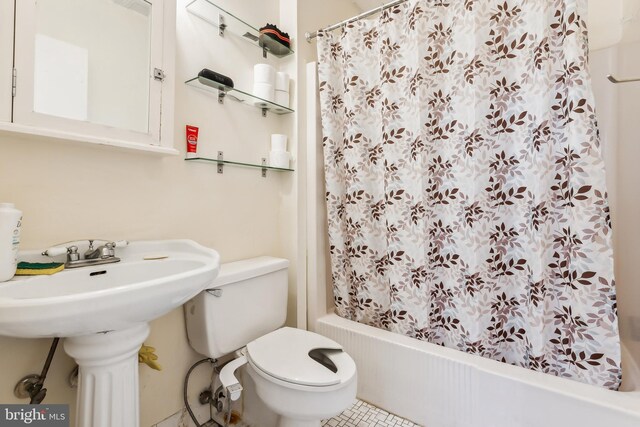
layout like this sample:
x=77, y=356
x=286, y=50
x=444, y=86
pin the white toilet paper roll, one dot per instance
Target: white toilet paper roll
x=279, y=159
x=264, y=73
x=282, y=98
x=278, y=142
x=282, y=81
x=264, y=91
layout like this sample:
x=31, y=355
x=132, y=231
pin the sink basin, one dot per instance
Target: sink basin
x=108, y=297
x=103, y=312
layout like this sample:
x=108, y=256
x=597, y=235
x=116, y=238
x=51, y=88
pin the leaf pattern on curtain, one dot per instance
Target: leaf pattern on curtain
x=465, y=184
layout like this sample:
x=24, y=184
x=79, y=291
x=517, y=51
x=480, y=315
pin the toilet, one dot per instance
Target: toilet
x=302, y=376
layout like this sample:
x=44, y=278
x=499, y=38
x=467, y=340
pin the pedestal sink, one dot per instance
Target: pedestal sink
x=103, y=313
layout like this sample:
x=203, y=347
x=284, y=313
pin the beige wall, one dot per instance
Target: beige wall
x=69, y=190
x=73, y=191
x=618, y=23
x=604, y=19
x=631, y=21
x=627, y=226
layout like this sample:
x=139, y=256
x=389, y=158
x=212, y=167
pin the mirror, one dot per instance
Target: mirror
x=98, y=68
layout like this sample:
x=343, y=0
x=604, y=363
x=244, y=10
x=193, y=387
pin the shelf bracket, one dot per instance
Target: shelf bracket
x=221, y=95
x=221, y=25
x=264, y=112
x=220, y=160
x=264, y=52
x=264, y=167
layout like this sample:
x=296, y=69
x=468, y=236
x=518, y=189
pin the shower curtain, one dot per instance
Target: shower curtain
x=465, y=185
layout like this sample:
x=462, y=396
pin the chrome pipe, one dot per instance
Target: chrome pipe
x=615, y=80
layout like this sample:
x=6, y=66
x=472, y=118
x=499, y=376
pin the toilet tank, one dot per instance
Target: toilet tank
x=248, y=299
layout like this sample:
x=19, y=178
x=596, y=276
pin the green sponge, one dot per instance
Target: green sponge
x=38, y=268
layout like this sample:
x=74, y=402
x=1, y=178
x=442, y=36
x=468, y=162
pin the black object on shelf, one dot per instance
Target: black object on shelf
x=212, y=76
x=229, y=23
x=275, y=33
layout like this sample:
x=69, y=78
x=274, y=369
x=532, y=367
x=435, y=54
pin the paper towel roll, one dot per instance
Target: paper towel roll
x=279, y=159
x=282, y=81
x=278, y=142
x=282, y=98
x=264, y=73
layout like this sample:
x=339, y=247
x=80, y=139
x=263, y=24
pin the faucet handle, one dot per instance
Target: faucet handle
x=119, y=243
x=109, y=249
x=55, y=251
x=71, y=251
x=72, y=254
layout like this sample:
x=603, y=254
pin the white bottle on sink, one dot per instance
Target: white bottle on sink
x=10, y=223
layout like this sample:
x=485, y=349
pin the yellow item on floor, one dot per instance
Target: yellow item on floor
x=148, y=356
x=38, y=268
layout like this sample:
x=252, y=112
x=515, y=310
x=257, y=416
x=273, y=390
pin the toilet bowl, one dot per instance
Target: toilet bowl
x=292, y=384
x=301, y=376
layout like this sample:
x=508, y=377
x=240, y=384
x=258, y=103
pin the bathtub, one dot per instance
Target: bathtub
x=439, y=387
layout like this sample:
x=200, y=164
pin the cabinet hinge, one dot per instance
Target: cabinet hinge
x=14, y=78
x=158, y=74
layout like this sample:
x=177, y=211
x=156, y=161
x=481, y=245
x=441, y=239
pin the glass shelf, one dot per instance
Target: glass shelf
x=224, y=92
x=220, y=162
x=226, y=21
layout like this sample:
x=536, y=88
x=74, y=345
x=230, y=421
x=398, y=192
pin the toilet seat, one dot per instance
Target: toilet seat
x=284, y=355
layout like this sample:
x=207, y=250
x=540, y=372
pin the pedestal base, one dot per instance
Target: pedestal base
x=108, y=377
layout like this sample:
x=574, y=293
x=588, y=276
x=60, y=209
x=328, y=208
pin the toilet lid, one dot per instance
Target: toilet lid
x=284, y=354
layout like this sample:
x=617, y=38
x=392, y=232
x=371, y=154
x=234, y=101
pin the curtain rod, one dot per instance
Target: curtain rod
x=310, y=36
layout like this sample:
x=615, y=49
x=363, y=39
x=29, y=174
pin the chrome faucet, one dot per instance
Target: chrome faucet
x=103, y=254
x=105, y=251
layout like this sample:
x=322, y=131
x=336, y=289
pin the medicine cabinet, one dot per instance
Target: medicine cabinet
x=98, y=71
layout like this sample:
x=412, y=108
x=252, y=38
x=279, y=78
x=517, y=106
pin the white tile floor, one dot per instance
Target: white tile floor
x=360, y=414
x=363, y=414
